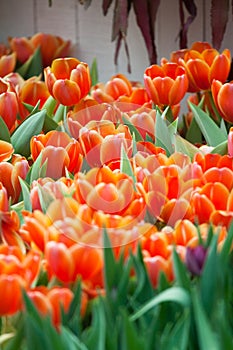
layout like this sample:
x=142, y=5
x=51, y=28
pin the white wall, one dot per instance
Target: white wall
x=90, y=31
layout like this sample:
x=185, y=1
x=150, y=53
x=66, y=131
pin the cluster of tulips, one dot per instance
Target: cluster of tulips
x=93, y=161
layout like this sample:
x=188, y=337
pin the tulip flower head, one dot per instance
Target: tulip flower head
x=166, y=84
x=68, y=80
x=203, y=64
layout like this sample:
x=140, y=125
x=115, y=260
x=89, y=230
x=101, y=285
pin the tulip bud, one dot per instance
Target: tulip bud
x=195, y=259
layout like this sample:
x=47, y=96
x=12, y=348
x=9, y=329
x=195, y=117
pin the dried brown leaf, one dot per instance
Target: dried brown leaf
x=219, y=19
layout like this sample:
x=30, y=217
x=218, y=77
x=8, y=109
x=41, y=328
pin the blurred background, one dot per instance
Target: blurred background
x=90, y=31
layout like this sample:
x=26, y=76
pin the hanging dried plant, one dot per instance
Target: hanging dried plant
x=146, y=12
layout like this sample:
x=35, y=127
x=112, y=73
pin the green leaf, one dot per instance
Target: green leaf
x=26, y=195
x=206, y=337
x=50, y=124
x=97, y=331
x=162, y=134
x=4, y=131
x=184, y=146
x=226, y=248
x=211, y=132
x=194, y=134
x=126, y=167
x=177, y=335
x=45, y=198
x=50, y=105
x=180, y=271
x=37, y=170
x=94, y=72
x=132, y=128
x=60, y=114
x=173, y=294
x=33, y=66
x=209, y=277
x=70, y=341
x=130, y=338
x=22, y=135
x=221, y=149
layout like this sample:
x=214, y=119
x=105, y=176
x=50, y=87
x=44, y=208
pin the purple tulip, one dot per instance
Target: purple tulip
x=195, y=259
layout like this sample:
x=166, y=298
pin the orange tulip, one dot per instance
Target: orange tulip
x=8, y=105
x=23, y=48
x=51, y=47
x=67, y=263
x=101, y=142
x=51, y=301
x=116, y=87
x=155, y=266
x=57, y=146
x=203, y=65
x=10, y=173
x=167, y=84
x=11, y=294
x=6, y=150
x=223, y=95
x=68, y=80
x=7, y=64
x=31, y=91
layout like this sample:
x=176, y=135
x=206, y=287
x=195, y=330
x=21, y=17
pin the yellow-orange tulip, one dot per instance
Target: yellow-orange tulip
x=68, y=80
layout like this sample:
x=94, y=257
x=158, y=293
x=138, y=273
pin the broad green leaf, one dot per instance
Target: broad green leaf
x=144, y=289
x=209, y=277
x=132, y=128
x=180, y=271
x=162, y=134
x=35, y=170
x=50, y=105
x=97, y=331
x=109, y=263
x=194, y=134
x=173, y=294
x=226, y=248
x=206, y=337
x=22, y=136
x=125, y=165
x=50, y=124
x=60, y=114
x=177, y=335
x=33, y=66
x=94, y=72
x=130, y=338
x=184, y=146
x=223, y=127
x=70, y=341
x=45, y=198
x=4, y=131
x=26, y=194
x=222, y=148
x=211, y=132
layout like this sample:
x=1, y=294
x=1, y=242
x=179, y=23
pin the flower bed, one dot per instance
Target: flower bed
x=116, y=207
